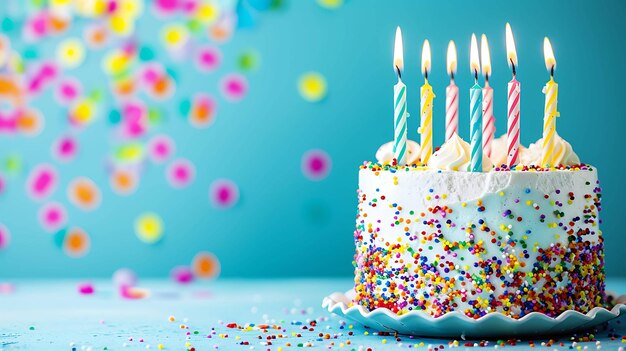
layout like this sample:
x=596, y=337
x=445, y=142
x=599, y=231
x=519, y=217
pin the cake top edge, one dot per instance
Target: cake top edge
x=457, y=155
x=378, y=167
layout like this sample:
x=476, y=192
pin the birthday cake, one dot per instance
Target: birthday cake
x=437, y=238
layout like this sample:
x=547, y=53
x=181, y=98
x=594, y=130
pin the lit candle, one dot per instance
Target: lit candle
x=426, y=128
x=476, y=113
x=550, y=112
x=489, y=121
x=399, y=98
x=452, y=95
x=514, y=90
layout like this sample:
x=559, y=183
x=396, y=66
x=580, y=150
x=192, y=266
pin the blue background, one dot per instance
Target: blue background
x=285, y=224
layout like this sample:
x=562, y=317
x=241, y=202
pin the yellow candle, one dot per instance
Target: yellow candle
x=550, y=112
x=426, y=110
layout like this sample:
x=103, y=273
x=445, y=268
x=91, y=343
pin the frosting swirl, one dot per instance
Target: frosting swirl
x=499, y=147
x=385, y=155
x=454, y=155
x=563, y=153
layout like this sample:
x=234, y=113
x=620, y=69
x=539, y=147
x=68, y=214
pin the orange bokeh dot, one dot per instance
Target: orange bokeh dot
x=29, y=122
x=206, y=265
x=76, y=243
x=124, y=87
x=123, y=182
x=84, y=194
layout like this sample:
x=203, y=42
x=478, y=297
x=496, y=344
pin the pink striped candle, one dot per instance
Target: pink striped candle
x=489, y=121
x=452, y=95
x=513, y=123
x=513, y=116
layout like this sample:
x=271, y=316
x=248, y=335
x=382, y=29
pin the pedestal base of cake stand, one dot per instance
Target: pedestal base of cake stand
x=459, y=326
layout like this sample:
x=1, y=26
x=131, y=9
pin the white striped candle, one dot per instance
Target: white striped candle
x=452, y=94
x=476, y=112
x=513, y=103
x=399, y=104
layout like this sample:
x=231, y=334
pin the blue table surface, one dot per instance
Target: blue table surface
x=52, y=315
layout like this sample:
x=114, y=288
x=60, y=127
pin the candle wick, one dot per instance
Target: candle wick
x=426, y=75
x=552, y=71
x=399, y=73
x=486, y=77
x=476, y=75
x=452, y=76
x=513, y=67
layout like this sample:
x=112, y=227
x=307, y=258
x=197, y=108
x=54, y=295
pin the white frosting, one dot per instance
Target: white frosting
x=563, y=153
x=387, y=198
x=385, y=155
x=454, y=155
x=499, y=147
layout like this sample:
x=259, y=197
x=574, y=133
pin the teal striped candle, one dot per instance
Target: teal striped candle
x=399, y=145
x=476, y=124
x=476, y=112
x=399, y=104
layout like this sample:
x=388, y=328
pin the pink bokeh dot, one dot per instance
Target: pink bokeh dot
x=161, y=148
x=52, y=216
x=2, y=184
x=316, y=164
x=182, y=274
x=41, y=182
x=5, y=237
x=65, y=148
x=180, y=173
x=224, y=193
x=234, y=87
x=208, y=59
x=67, y=91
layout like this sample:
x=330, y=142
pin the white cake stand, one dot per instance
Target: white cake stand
x=457, y=325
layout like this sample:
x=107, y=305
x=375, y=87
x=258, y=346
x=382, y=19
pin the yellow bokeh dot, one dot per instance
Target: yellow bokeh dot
x=149, y=228
x=330, y=4
x=83, y=111
x=71, y=53
x=312, y=86
x=175, y=36
x=121, y=25
x=131, y=8
x=206, y=13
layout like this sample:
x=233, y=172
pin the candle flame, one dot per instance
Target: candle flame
x=426, y=58
x=451, y=59
x=474, y=60
x=398, y=52
x=548, y=54
x=511, y=53
x=485, y=57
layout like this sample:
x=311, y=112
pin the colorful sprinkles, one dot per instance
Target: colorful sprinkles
x=515, y=251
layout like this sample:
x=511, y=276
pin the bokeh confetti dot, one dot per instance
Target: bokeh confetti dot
x=202, y=112
x=68, y=90
x=182, y=274
x=76, y=243
x=316, y=164
x=312, y=86
x=205, y=265
x=209, y=59
x=175, y=36
x=248, y=61
x=83, y=193
x=30, y=122
x=234, y=87
x=124, y=181
x=52, y=216
x=330, y=4
x=65, y=148
x=124, y=277
x=71, y=53
x=224, y=193
x=149, y=227
x=42, y=181
x=180, y=173
x=5, y=237
x=161, y=148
